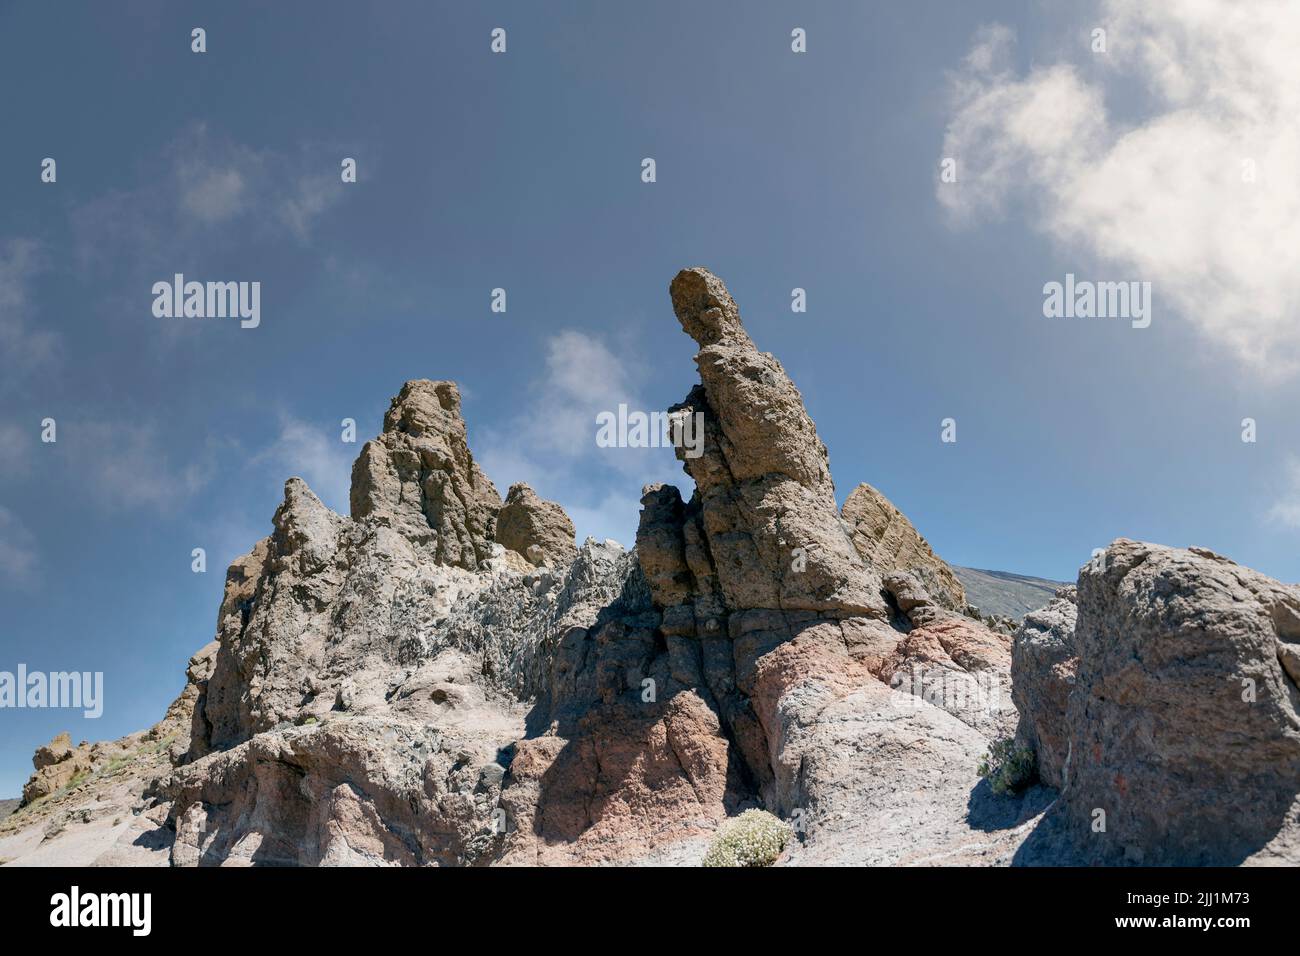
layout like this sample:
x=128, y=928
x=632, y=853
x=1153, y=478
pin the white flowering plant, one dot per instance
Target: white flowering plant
x=755, y=838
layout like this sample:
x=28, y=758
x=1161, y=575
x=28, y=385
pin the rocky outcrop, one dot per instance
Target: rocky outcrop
x=1043, y=671
x=1184, y=728
x=763, y=490
x=96, y=804
x=536, y=529
x=589, y=704
x=758, y=554
x=439, y=678
x=420, y=479
x=57, y=764
x=888, y=542
x=949, y=660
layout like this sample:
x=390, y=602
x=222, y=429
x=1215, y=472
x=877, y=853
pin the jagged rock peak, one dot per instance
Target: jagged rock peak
x=889, y=542
x=705, y=308
x=420, y=479
x=765, y=502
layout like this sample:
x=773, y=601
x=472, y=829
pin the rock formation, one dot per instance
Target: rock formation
x=1184, y=723
x=888, y=542
x=441, y=678
x=536, y=529
x=1043, y=669
x=57, y=764
x=590, y=704
x=420, y=479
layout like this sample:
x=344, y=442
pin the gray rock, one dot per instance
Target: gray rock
x=1043, y=668
x=420, y=478
x=1183, y=727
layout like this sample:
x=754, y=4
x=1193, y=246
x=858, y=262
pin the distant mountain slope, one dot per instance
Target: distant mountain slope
x=1000, y=592
x=8, y=806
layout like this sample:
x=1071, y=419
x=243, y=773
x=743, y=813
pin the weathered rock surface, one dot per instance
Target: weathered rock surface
x=1183, y=727
x=420, y=479
x=888, y=542
x=952, y=661
x=57, y=764
x=1043, y=670
x=763, y=491
x=537, y=529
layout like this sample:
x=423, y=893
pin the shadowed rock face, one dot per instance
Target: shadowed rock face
x=1043, y=669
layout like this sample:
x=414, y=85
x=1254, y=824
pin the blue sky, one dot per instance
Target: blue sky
x=522, y=171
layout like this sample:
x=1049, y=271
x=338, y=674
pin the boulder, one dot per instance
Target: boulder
x=57, y=764
x=1184, y=725
x=1044, y=666
x=537, y=529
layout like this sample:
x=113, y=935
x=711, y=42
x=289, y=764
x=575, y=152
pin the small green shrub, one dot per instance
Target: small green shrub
x=755, y=838
x=1009, y=768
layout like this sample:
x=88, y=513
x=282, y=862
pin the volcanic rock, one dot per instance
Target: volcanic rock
x=537, y=529
x=1184, y=725
x=420, y=479
x=1043, y=670
x=888, y=542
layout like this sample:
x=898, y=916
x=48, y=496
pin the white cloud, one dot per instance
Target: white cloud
x=17, y=550
x=210, y=194
x=1162, y=197
x=1286, y=510
x=316, y=455
x=15, y=451
x=216, y=192
x=552, y=444
x=23, y=349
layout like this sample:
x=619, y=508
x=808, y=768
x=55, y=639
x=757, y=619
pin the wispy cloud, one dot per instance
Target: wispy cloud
x=314, y=454
x=24, y=349
x=18, y=559
x=1286, y=510
x=123, y=466
x=216, y=193
x=1197, y=195
x=552, y=445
